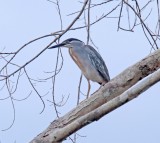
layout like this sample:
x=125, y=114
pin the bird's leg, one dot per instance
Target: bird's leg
x=89, y=87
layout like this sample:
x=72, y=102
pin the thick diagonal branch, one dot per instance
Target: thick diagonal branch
x=84, y=113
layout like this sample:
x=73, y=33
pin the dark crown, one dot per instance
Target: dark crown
x=72, y=39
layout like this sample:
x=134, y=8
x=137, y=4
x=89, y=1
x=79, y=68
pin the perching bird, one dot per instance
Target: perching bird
x=88, y=60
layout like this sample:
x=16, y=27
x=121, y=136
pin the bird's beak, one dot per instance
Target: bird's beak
x=56, y=46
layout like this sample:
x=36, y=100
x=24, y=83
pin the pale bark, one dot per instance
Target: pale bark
x=104, y=100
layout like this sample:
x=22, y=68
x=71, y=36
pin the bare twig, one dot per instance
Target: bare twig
x=14, y=111
x=35, y=90
x=120, y=15
x=92, y=6
x=144, y=27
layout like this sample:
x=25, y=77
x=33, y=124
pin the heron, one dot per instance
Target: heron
x=88, y=60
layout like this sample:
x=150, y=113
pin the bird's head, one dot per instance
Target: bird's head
x=69, y=43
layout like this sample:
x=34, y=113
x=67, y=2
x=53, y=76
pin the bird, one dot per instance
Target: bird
x=88, y=60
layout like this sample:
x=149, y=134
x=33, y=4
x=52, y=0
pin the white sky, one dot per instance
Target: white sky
x=22, y=21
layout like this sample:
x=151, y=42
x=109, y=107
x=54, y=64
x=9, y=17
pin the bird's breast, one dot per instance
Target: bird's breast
x=76, y=58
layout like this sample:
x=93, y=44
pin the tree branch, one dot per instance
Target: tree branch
x=105, y=99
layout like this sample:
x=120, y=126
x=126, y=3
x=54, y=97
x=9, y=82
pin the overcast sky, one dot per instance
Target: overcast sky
x=21, y=21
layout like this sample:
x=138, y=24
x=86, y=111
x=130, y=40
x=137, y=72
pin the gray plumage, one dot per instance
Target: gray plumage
x=97, y=62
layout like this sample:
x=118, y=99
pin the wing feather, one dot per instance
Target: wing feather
x=97, y=62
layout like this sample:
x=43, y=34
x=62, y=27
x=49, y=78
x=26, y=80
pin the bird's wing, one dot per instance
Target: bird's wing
x=97, y=62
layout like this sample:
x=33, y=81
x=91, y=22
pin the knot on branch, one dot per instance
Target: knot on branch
x=149, y=68
x=145, y=70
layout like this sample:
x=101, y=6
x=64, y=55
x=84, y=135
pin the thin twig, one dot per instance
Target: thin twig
x=35, y=90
